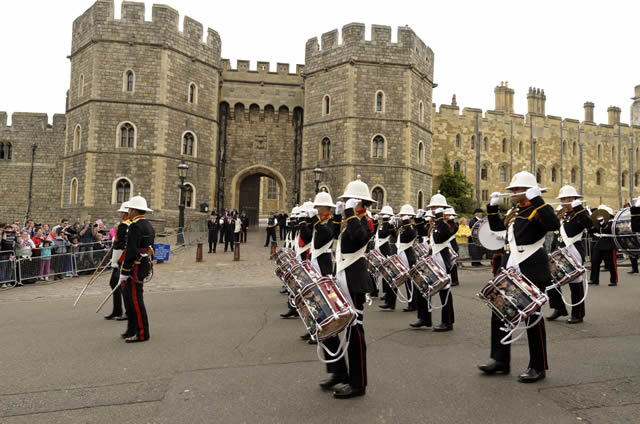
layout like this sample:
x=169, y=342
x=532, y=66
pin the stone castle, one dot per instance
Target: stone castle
x=144, y=96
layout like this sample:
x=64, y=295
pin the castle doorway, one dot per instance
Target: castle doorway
x=258, y=191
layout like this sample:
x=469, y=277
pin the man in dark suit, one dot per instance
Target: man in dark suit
x=213, y=225
x=282, y=224
x=271, y=229
x=229, y=227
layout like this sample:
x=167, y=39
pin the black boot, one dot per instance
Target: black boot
x=333, y=379
x=420, y=323
x=495, y=367
x=557, y=313
x=531, y=375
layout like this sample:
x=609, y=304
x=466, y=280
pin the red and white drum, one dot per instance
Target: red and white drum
x=429, y=277
x=625, y=239
x=284, y=255
x=453, y=255
x=300, y=275
x=374, y=259
x=420, y=250
x=512, y=297
x=323, y=308
x=564, y=269
x=394, y=271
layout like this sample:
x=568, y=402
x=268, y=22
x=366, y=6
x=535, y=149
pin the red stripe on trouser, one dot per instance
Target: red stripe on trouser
x=139, y=315
x=361, y=356
x=615, y=265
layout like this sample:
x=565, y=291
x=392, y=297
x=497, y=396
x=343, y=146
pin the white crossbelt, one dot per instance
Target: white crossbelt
x=520, y=253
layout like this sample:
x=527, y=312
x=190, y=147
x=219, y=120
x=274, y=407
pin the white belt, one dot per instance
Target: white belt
x=404, y=246
x=519, y=254
x=568, y=241
x=437, y=247
x=380, y=241
x=344, y=260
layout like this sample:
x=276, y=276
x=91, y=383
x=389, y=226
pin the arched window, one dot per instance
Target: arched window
x=456, y=167
x=127, y=135
x=123, y=190
x=420, y=200
x=1, y=150
x=421, y=112
x=9, y=151
x=564, y=148
x=574, y=177
x=129, y=83
x=379, y=101
x=73, y=192
x=637, y=154
x=326, y=148
x=378, y=147
x=553, y=174
x=504, y=145
x=520, y=148
x=188, y=144
x=326, y=105
x=81, y=85
x=189, y=195
x=77, y=134
x=421, y=153
x=613, y=152
x=598, y=177
x=636, y=179
x=377, y=194
x=193, y=94
x=574, y=148
x=473, y=142
x=503, y=173
x=539, y=174
x=485, y=144
x=484, y=172
x=599, y=152
x=457, y=141
x=624, y=177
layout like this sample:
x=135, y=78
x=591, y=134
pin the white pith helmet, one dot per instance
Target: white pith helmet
x=438, y=200
x=568, y=191
x=407, y=210
x=123, y=208
x=306, y=206
x=323, y=199
x=450, y=212
x=357, y=190
x=428, y=214
x=606, y=208
x=386, y=210
x=295, y=211
x=523, y=179
x=138, y=203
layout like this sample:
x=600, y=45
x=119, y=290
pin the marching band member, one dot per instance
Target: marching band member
x=450, y=214
x=353, y=278
x=117, y=257
x=301, y=239
x=574, y=221
x=526, y=225
x=604, y=250
x=406, y=236
x=383, y=244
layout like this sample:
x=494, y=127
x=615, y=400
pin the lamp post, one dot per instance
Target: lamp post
x=182, y=173
x=317, y=173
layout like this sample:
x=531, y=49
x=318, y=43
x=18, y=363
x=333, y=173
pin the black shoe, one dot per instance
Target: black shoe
x=531, y=375
x=110, y=316
x=347, y=392
x=332, y=381
x=420, y=323
x=443, y=327
x=557, y=313
x=383, y=298
x=409, y=309
x=495, y=367
x=593, y=283
x=613, y=284
x=632, y=272
x=122, y=317
x=574, y=320
x=135, y=339
x=126, y=335
x=386, y=306
x=312, y=342
x=306, y=337
x=209, y=251
x=455, y=284
x=291, y=313
x=284, y=291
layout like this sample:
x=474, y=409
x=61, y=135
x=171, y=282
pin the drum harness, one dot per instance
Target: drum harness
x=401, y=247
x=437, y=257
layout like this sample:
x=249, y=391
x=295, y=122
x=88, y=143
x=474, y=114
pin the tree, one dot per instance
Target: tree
x=455, y=187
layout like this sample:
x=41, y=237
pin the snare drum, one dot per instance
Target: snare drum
x=394, y=271
x=512, y=297
x=564, y=268
x=420, y=250
x=374, y=259
x=625, y=239
x=284, y=255
x=301, y=274
x=323, y=308
x=429, y=277
x=453, y=255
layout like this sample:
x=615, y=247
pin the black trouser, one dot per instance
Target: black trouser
x=634, y=263
x=556, y=302
x=609, y=258
x=228, y=240
x=577, y=294
x=117, y=294
x=476, y=253
x=221, y=237
x=271, y=233
x=537, y=344
x=213, y=242
x=447, y=315
x=422, y=305
x=137, y=323
x=283, y=232
x=243, y=235
x=454, y=276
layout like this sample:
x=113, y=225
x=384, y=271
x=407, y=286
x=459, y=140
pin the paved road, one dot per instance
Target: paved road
x=219, y=353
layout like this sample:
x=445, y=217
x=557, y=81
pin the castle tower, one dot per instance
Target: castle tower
x=613, y=114
x=536, y=100
x=504, y=97
x=588, y=111
x=635, y=107
x=370, y=101
x=143, y=96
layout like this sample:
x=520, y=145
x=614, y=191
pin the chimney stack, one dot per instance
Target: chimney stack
x=504, y=97
x=614, y=115
x=536, y=101
x=588, y=111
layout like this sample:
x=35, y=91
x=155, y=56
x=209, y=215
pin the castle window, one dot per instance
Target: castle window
x=485, y=195
x=421, y=153
x=520, y=148
x=188, y=142
x=575, y=148
x=637, y=154
x=625, y=175
x=599, y=152
x=473, y=142
x=598, y=177
x=456, y=167
x=81, y=85
x=326, y=105
x=484, y=173
x=504, y=145
x=378, y=147
x=573, y=176
x=420, y=200
x=539, y=173
x=379, y=101
x=5, y=151
x=193, y=94
x=377, y=194
x=486, y=144
x=1, y=150
x=564, y=148
x=503, y=173
x=123, y=190
x=636, y=179
x=129, y=81
x=73, y=192
x=613, y=153
x=77, y=133
x=553, y=175
x=271, y=189
x=189, y=195
x=9, y=151
x=457, y=141
x=326, y=148
x=421, y=111
x=127, y=135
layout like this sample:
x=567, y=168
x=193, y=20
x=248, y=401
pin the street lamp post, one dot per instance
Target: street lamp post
x=182, y=173
x=317, y=173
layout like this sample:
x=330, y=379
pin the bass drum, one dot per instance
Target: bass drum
x=484, y=237
x=625, y=239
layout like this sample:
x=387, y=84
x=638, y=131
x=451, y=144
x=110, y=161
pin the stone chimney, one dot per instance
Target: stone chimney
x=504, y=97
x=536, y=101
x=613, y=113
x=588, y=111
x=454, y=102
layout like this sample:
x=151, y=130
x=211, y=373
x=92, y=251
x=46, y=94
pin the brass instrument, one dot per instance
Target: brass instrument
x=600, y=213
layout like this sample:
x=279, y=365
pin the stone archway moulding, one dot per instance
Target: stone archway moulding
x=252, y=170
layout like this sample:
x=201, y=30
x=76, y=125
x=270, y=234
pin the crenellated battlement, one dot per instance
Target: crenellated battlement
x=409, y=50
x=98, y=24
x=30, y=120
x=261, y=67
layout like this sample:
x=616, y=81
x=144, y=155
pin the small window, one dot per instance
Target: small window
x=81, y=85
x=503, y=174
x=599, y=152
x=598, y=177
x=504, y=145
x=574, y=173
x=129, y=81
x=473, y=142
x=554, y=177
x=457, y=141
x=575, y=148
x=420, y=200
x=193, y=94
x=637, y=154
x=485, y=195
x=73, y=195
x=326, y=105
x=123, y=190
x=378, y=147
x=271, y=189
x=1, y=150
x=77, y=134
x=456, y=167
x=564, y=148
x=188, y=196
x=486, y=144
x=636, y=179
x=127, y=135
x=9, y=151
x=484, y=173
x=520, y=148
x=623, y=182
x=188, y=141
x=613, y=153
x=378, y=195
x=421, y=153
x=421, y=111
x=379, y=101
x=539, y=175
x=326, y=148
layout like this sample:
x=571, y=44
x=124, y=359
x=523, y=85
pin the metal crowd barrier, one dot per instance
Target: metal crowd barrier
x=7, y=270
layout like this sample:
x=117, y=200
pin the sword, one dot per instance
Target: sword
x=108, y=296
x=94, y=277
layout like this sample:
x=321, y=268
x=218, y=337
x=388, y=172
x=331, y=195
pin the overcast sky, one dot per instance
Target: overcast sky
x=575, y=50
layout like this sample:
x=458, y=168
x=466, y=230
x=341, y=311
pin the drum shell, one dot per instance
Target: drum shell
x=429, y=277
x=374, y=259
x=563, y=267
x=394, y=271
x=624, y=238
x=300, y=275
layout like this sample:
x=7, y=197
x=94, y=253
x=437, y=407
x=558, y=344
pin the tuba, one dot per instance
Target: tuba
x=600, y=213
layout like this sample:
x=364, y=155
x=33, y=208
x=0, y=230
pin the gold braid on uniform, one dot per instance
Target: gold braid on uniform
x=510, y=216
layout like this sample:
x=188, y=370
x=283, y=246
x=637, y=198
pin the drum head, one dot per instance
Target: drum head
x=491, y=240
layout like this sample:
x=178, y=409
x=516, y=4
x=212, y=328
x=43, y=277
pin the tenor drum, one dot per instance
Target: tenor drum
x=483, y=236
x=624, y=238
x=564, y=268
x=512, y=297
x=394, y=271
x=374, y=259
x=299, y=276
x=323, y=308
x=420, y=250
x=429, y=277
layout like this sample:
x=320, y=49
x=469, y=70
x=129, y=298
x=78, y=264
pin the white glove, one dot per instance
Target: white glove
x=339, y=207
x=221, y=221
x=495, y=198
x=637, y=202
x=392, y=221
x=533, y=192
x=312, y=212
x=376, y=217
x=420, y=213
x=405, y=217
x=439, y=210
x=122, y=278
x=351, y=203
x=576, y=203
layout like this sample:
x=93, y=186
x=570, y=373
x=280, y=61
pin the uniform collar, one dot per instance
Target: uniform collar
x=325, y=216
x=524, y=204
x=361, y=212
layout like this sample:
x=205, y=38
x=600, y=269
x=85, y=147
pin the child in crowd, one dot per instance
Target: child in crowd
x=45, y=259
x=71, y=261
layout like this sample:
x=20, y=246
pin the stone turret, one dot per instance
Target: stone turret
x=536, y=101
x=504, y=97
x=588, y=111
x=613, y=114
